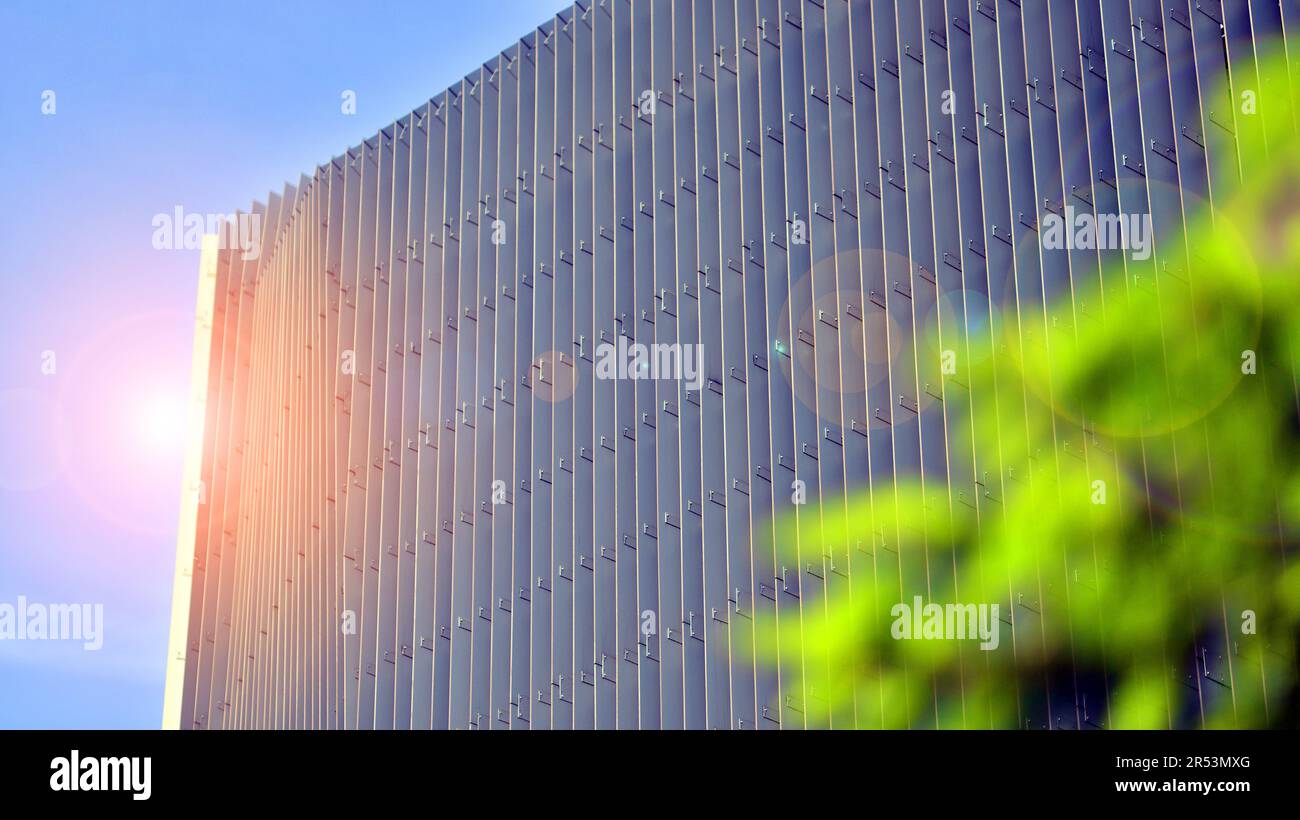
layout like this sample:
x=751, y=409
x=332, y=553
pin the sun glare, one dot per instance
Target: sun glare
x=163, y=424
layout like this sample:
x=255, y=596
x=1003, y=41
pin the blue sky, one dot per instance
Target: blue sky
x=155, y=105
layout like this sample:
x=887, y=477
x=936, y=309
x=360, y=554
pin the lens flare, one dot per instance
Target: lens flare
x=162, y=424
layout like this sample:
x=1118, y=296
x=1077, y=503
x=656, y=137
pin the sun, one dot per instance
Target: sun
x=163, y=423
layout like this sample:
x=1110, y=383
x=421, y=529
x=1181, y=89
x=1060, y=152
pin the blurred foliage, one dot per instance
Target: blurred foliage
x=1127, y=613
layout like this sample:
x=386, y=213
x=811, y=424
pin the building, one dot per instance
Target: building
x=419, y=502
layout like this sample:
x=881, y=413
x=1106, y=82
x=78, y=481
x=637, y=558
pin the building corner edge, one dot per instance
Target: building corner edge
x=192, y=488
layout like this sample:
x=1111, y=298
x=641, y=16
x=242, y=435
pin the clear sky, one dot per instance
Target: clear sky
x=155, y=105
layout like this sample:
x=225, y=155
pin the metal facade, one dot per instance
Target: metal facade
x=629, y=505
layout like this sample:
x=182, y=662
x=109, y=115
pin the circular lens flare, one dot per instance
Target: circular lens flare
x=123, y=429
